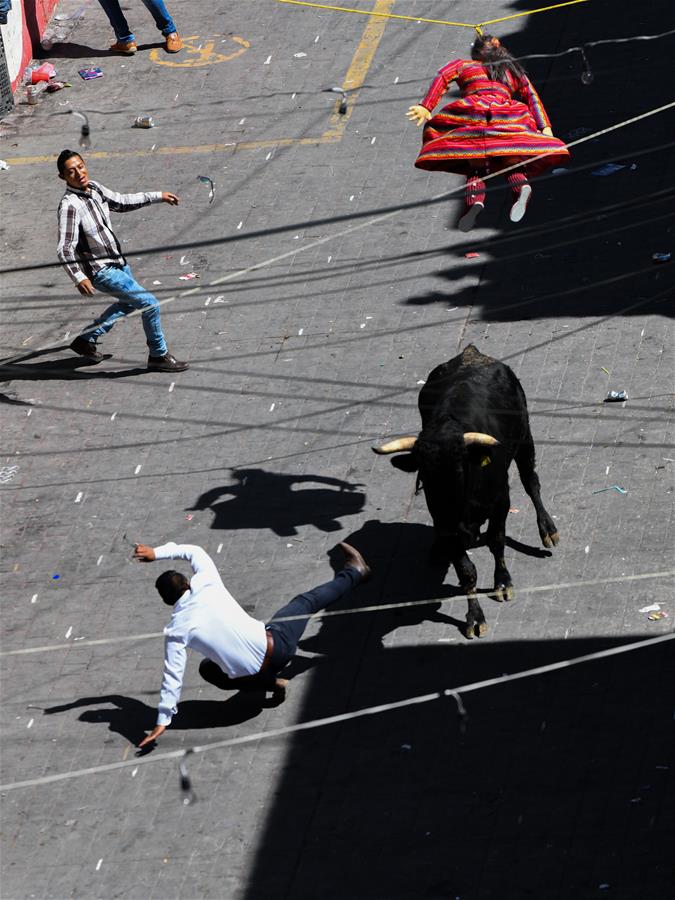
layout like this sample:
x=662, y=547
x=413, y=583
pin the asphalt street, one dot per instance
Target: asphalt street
x=331, y=280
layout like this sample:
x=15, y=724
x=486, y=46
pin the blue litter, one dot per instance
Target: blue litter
x=612, y=487
x=608, y=169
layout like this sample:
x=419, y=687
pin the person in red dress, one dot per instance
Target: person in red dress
x=498, y=121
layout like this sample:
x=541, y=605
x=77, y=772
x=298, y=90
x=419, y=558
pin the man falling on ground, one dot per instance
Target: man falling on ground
x=242, y=653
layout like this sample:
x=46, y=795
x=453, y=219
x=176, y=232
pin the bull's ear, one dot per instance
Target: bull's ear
x=406, y=462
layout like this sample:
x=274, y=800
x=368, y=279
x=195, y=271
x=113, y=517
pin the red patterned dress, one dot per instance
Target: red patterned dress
x=490, y=122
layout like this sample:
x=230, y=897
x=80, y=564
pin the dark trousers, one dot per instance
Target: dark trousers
x=286, y=634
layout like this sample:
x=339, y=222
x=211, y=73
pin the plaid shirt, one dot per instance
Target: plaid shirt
x=87, y=242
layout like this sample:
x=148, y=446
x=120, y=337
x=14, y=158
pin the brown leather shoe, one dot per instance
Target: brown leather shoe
x=126, y=47
x=83, y=347
x=354, y=560
x=173, y=43
x=166, y=363
x=279, y=691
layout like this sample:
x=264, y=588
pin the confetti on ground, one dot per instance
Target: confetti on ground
x=188, y=277
x=189, y=517
x=653, y=607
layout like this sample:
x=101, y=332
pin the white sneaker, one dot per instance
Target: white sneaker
x=468, y=220
x=519, y=207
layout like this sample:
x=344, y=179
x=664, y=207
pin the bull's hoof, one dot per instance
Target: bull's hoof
x=551, y=540
x=503, y=593
x=475, y=629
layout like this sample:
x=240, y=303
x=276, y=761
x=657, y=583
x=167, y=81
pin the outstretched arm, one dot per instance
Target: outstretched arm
x=175, y=658
x=421, y=112
x=204, y=568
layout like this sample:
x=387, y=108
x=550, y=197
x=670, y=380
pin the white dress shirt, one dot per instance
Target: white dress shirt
x=208, y=619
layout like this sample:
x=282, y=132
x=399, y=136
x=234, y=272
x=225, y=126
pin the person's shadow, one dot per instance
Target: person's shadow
x=263, y=499
x=131, y=718
x=71, y=368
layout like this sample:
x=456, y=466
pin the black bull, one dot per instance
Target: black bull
x=474, y=423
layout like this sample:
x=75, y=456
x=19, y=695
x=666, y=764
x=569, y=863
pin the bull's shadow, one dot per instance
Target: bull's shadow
x=131, y=718
x=262, y=499
x=399, y=555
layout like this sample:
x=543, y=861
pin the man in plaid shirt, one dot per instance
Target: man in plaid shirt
x=92, y=257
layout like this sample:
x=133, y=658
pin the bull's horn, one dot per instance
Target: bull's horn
x=477, y=437
x=406, y=443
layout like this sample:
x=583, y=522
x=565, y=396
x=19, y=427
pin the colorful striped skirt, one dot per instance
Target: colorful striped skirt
x=467, y=133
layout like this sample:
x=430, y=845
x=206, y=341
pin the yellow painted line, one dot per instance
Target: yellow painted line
x=354, y=78
x=358, y=69
x=232, y=147
x=202, y=54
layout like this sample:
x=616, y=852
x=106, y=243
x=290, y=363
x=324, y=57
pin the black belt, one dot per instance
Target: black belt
x=268, y=653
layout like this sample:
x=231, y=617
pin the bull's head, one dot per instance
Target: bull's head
x=471, y=438
x=448, y=470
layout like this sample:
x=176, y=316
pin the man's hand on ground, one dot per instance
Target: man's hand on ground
x=169, y=198
x=143, y=553
x=154, y=734
x=86, y=287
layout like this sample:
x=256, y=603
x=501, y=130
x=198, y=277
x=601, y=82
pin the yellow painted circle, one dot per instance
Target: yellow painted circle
x=198, y=51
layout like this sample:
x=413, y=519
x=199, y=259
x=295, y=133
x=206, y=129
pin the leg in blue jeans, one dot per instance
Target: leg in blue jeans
x=161, y=16
x=116, y=18
x=131, y=295
x=287, y=634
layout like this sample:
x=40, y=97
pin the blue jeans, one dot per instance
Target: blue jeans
x=122, y=31
x=286, y=634
x=121, y=284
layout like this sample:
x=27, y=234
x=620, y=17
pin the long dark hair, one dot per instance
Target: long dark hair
x=496, y=59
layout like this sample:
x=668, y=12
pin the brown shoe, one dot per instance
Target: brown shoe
x=83, y=347
x=173, y=43
x=354, y=560
x=279, y=691
x=126, y=47
x=166, y=363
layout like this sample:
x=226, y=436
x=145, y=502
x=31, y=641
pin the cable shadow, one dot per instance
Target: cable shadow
x=263, y=499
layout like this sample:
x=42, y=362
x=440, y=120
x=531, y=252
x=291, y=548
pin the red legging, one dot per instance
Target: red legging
x=475, y=186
